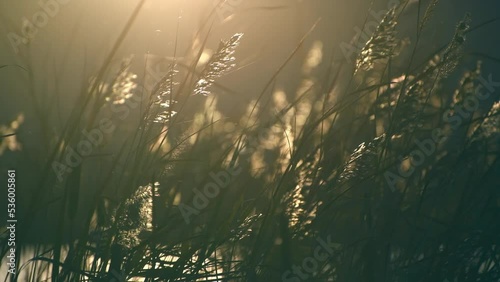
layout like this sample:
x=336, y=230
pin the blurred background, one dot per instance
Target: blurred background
x=71, y=45
x=69, y=48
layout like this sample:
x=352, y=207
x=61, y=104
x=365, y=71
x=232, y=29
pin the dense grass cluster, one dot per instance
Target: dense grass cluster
x=399, y=175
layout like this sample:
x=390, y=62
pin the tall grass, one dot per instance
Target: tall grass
x=336, y=161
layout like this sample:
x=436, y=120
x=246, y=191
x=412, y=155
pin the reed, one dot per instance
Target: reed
x=364, y=168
